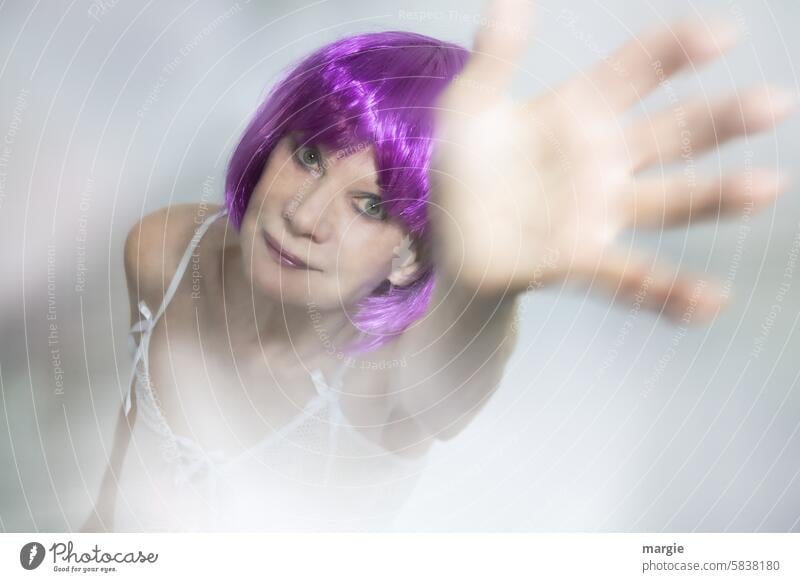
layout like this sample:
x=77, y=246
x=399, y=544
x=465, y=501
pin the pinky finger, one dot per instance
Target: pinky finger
x=633, y=278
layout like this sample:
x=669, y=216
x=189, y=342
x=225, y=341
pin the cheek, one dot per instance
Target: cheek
x=247, y=243
x=267, y=196
x=279, y=184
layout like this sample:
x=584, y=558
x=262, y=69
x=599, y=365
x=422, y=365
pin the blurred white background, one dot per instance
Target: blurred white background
x=609, y=420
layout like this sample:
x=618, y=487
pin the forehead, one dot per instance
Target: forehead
x=362, y=163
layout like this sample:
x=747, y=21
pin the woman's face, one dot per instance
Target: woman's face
x=314, y=231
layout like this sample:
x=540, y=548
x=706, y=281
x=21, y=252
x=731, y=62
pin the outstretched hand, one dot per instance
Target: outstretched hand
x=535, y=192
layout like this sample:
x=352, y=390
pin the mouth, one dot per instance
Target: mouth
x=283, y=257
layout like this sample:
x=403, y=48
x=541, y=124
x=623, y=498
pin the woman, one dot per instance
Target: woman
x=299, y=349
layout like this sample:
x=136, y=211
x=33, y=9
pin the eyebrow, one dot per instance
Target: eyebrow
x=370, y=193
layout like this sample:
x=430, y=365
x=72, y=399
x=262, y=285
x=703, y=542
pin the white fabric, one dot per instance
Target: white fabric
x=316, y=473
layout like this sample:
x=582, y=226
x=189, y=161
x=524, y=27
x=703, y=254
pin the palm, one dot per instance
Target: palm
x=535, y=192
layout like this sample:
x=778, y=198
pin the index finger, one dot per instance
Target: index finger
x=645, y=62
x=500, y=40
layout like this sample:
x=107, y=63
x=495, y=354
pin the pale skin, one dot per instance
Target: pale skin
x=525, y=194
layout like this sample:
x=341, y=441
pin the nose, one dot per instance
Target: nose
x=307, y=214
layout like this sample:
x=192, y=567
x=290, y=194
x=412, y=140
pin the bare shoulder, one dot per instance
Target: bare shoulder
x=155, y=245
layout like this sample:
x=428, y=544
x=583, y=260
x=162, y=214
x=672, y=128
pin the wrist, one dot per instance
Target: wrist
x=490, y=277
x=462, y=293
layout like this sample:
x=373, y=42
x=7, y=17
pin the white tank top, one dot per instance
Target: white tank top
x=316, y=473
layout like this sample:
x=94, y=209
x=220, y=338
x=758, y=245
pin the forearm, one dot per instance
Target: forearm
x=456, y=357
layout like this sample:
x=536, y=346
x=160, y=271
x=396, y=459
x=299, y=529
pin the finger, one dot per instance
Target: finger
x=632, y=278
x=500, y=40
x=637, y=68
x=680, y=132
x=655, y=203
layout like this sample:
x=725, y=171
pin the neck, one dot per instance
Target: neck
x=287, y=334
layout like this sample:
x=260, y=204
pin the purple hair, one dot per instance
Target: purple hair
x=375, y=88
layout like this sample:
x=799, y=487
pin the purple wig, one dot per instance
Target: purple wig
x=375, y=88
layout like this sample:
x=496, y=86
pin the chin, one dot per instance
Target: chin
x=288, y=286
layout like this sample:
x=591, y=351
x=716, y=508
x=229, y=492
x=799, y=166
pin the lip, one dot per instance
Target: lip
x=283, y=257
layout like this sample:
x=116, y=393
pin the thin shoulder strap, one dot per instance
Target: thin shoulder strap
x=145, y=325
x=187, y=256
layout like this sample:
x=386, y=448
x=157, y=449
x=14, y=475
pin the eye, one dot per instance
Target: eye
x=308, y=157
x=371, y=206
